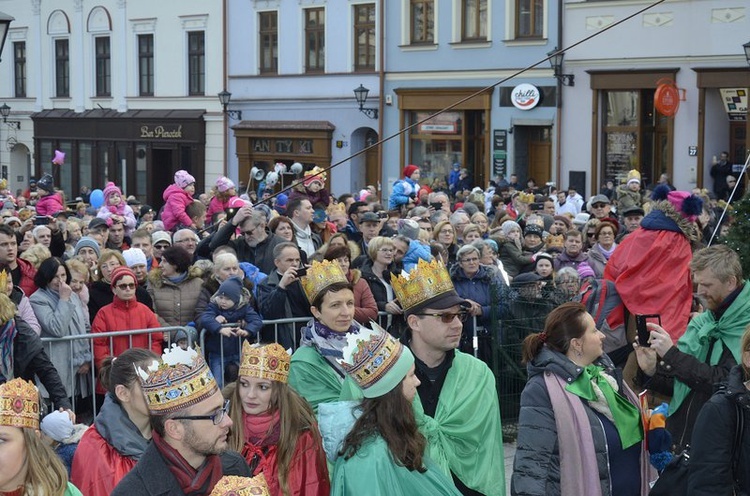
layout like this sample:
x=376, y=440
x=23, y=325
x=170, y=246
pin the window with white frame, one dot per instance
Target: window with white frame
x=422, y=21
x=473, y=20
x=269, y=42
x=529, y=18
x=364, y=37
x=315, y=31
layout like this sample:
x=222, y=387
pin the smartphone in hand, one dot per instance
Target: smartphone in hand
x=643, y=332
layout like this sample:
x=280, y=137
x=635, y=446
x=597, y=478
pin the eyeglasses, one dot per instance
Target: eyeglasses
x=129, y=285
x=161, y=247
x=598, y=205
x=386, y=250
x=447, y=318
x=248, y=232
x=216, y=417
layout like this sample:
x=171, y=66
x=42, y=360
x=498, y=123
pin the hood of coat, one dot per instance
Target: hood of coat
x=114, y=425
x=735, y=387
x=157, y=280
x=689, y=229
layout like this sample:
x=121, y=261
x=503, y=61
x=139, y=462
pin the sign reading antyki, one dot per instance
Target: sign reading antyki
x=160, y=132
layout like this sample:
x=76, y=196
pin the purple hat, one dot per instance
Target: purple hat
x=110, y=190
x=183, y=179
x=224, y=184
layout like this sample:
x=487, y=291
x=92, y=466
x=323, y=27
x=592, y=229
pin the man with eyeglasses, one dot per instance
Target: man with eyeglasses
x=188, y=453
x=255, y=243
x=600, y=207
x=160, y=241
x=464, y=429
x=186, y=239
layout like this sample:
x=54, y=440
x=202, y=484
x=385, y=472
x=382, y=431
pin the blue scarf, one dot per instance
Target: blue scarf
x=178, y=278
x=7, y=335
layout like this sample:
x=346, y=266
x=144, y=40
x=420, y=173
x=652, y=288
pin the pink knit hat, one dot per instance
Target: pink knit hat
x=224, y=184
x=110, y=190
x=183, y=179
x=688, y=205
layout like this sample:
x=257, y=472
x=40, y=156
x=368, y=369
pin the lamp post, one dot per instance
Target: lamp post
x=224, y=98
x=5, y=112
x=5, y=21
x=556, y=61
x=360, y=94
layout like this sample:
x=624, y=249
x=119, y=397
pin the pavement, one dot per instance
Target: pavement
x=509, y=450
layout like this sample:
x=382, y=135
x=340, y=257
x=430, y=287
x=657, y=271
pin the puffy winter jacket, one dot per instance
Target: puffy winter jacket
x=49, y=204
x=100, y=295
x=365, y=307
x=174, y=304
x=242, y=312
x=177, y=200
x=123, y=316
x=27, y=277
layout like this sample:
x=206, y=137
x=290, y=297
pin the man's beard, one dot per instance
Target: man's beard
x=204, y=447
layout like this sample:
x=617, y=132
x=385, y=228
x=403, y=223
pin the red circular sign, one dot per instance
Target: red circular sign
x=667, y=99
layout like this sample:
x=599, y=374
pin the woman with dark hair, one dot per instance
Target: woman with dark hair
x=100, y=291
x=365, y=307
x=384, y=453
x=112, y=446
x=605, y=245
x=60, y=313
x=580, y=429
x=282, y=226
x=445, y=234
x=175, y=287
x=315, y=371
x=274, y=429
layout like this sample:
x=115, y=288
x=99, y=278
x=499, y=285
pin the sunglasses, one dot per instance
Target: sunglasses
x=447, y=318
x=129, y=285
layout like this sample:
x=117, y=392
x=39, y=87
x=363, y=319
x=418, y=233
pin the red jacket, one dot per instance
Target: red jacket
x=307, y=477
x=365, y=306
x=27, y=276
x=123, y=316
x=97, y=466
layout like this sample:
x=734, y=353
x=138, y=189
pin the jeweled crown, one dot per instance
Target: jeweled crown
x=19, y=404
x=181, y=379
x=526, y=197
x=425, y=281
x=234, y=485
x=269, y=361
x=319, y=276
x=369, y=355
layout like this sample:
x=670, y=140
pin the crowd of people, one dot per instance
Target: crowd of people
x=530, y=296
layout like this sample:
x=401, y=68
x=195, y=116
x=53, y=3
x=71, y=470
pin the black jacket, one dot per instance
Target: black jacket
x=282, y=303
x=30, y=359
x=261, y=255
x=151, y=476
x=714, y=438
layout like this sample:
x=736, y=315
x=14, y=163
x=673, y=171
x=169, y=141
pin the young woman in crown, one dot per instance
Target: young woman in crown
x=273, y=427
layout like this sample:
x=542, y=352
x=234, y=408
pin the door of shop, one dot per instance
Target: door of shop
x=162, y=174
x=540, y=154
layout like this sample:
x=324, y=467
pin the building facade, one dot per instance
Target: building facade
x=127, y=89
x=611, y=121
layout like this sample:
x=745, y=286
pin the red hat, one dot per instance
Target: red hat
x=121, y=272
x=409, y=170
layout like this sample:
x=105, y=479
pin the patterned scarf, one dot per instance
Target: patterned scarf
x=192, y=482
x=7, y=335
x=329, y=343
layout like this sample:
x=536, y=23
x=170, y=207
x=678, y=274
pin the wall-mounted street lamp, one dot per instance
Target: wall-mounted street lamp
x=5, y=112
x=5, y=21
x=556, y=61
x=746, y=46
x=360, y=94
x=224, y=98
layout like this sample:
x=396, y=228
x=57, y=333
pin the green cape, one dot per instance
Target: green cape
x=727, y=330
x=316, y=381
x=465, y=437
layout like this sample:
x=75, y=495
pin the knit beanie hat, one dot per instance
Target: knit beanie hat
x=314, y=174
x=689, y=206
x=57, y=425
x=508, y=226
x=565, y=220
x=408, y=228
x=281, y=201
x=224, y=184
x=89, y=242
x=634, y=176
x=121, y=272
x=585, y=270
x=110, y=190
x=410, y=169
x=134, y=256
x=183, y=179
x=47, y=183
x=232, y=289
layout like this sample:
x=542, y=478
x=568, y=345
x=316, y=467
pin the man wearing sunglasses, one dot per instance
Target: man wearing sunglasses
x=463, y=422
x=190, y=424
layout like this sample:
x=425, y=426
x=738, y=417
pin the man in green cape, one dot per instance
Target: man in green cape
x=708, y=349
x=456, y=406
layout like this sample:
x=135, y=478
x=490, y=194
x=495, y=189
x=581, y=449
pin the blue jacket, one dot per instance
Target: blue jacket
x=416, y=251
x=243, y=311
x=403, y=190
x=478, y=288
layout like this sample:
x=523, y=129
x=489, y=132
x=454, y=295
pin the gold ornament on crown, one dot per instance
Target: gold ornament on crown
x=19, y=404
x=270, y=361
x=369, y=355
x=234, y=485
x=525, y=197
x=425, y=281
x=319, y=276
x=336, y=208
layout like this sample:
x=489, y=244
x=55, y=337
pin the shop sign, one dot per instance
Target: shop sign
x=161, y=132
x=667, y=98
x=525, y=96
x=445, y=123
x=735, y=102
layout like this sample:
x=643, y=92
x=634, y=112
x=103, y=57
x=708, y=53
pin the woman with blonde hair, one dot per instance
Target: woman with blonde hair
x=274, y=428
x=27, y=465
x=36, y=254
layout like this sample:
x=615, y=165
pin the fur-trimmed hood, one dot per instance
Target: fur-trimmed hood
x=157, y=280
x=664, y=217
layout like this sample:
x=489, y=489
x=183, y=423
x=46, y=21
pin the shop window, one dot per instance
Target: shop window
x=140, y=171
x=422, y=21
x=62, y=68
x=103, y=66
x=529, y=18
x=146, y=64
x=635, y=136
x=315, y=40
x=269, y=43
x=197, y=62
x=474, y=20
x=65, y=174
x=86, y=164
x=19, y=64
x=436, y=144
x=364, y=37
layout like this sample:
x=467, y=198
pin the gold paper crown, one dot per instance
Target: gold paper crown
x=19, y=404
x=319, y=276
x=234, y=485
x=270, y=361
x=317, y=172
x=525, y=197
x=3, y=279
x=336, y=208
x=182, y=379
x=425, y=281
x=369, y=355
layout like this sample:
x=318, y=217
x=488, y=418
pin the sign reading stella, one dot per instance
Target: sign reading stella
x=161, y=132
x=525, y=96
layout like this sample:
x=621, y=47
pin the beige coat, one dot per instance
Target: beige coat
x=174, y=304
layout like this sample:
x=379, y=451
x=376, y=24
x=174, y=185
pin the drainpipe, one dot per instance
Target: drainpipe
x=558, y=101
x=225, y=117
x=381, y=100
